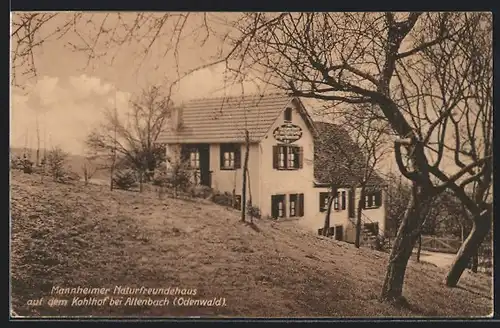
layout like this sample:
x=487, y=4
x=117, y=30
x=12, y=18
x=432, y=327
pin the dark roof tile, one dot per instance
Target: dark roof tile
x=338, y=159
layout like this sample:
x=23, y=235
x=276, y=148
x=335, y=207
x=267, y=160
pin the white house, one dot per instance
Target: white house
x=283, y=180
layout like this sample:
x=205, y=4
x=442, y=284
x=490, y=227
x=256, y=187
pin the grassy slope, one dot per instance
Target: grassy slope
x=75, y=235
x=73, y=162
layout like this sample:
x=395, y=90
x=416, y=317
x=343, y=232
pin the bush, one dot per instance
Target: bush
x=224, y=199
x=70, y=176
x=56, y=159
x=16, y=163
x=125, y=179
x=253, y=211
x=160, y=175
x=178, y=177
x=200, y=191
x=27, y=166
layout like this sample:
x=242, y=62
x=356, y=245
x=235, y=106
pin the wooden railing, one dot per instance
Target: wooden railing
x=441, y=244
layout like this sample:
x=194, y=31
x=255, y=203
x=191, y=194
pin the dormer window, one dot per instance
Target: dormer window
x=288, y=114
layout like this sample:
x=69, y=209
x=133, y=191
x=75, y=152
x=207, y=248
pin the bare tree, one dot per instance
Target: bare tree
x=381, y=59
x=352, y=162
x=245, y=173
x=390, y=60
x=134, y=138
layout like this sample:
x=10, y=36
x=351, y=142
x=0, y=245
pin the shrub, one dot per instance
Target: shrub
x=56, y=160
x=160, y=175
x=16, y=163
x=224, y=199
x=178, y=177
x=253, y=211
x=70, y=176
x=200, y=191
x=27, y=166
x=125, y=179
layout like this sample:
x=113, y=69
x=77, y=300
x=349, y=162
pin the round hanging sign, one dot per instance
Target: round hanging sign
x=287, y=133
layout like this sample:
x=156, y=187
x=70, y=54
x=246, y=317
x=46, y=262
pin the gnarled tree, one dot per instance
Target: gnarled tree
x=388, y=60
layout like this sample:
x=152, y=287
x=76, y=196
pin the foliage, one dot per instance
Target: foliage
x=222, y=198
x=253, y=211
x=178, y=176
x=125, y=179
x=56, y=161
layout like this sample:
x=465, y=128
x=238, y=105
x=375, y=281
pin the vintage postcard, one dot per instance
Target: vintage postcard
x=251, y=165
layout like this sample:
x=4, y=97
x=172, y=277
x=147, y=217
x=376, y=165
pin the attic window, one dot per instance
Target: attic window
x=288, y=114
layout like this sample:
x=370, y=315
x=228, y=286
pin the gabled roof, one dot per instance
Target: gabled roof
x=224, y=119
x=338, y=159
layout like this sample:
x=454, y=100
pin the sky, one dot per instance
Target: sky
x=68, y=95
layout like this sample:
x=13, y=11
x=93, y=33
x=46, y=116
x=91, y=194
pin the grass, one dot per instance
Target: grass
x=75, y=235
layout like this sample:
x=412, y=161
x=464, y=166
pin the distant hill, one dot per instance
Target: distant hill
x=73, y=163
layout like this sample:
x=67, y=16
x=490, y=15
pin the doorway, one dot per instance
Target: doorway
x=205, y=173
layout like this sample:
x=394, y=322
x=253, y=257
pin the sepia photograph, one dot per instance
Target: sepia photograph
x=284, y=165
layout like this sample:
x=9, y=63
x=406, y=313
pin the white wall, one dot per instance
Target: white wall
x=227, y=180
x=287, y=182
x=315, y=219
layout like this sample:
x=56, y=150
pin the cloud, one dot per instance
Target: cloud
x=67, y=110
x=211, y=82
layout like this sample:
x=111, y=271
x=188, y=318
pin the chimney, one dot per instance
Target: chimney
x=177, y=119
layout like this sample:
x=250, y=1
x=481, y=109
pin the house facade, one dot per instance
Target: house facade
x=282, y=180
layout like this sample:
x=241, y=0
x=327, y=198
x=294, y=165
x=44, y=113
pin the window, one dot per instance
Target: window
x=351, y=204
x=288, y=114
x=339, y=202
x=293, y=205
x=278, y=206
x=194, y=159
x=296, y=205
x=323, y=201
x=373, y=199
x=336, y=202
x=287, y=157
x=230, y=156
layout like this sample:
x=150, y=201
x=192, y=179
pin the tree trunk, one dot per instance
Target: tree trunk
x=244, y=184
x=419, y=246
x=141, y=177
x=250, y=203
x=326, y=226
x=404, y=243
x=475, y=263
x=480, y=229
x=359, y=212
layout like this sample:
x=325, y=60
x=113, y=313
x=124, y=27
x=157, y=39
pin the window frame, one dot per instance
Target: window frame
x=293, y=199
x=373, y=200
x=324, y=197
x=196, y=159
x=283, y=160
x=234, y=151
x=280, y=199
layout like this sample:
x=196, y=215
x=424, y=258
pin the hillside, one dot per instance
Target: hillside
x=73, y=162
x=70, y=236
